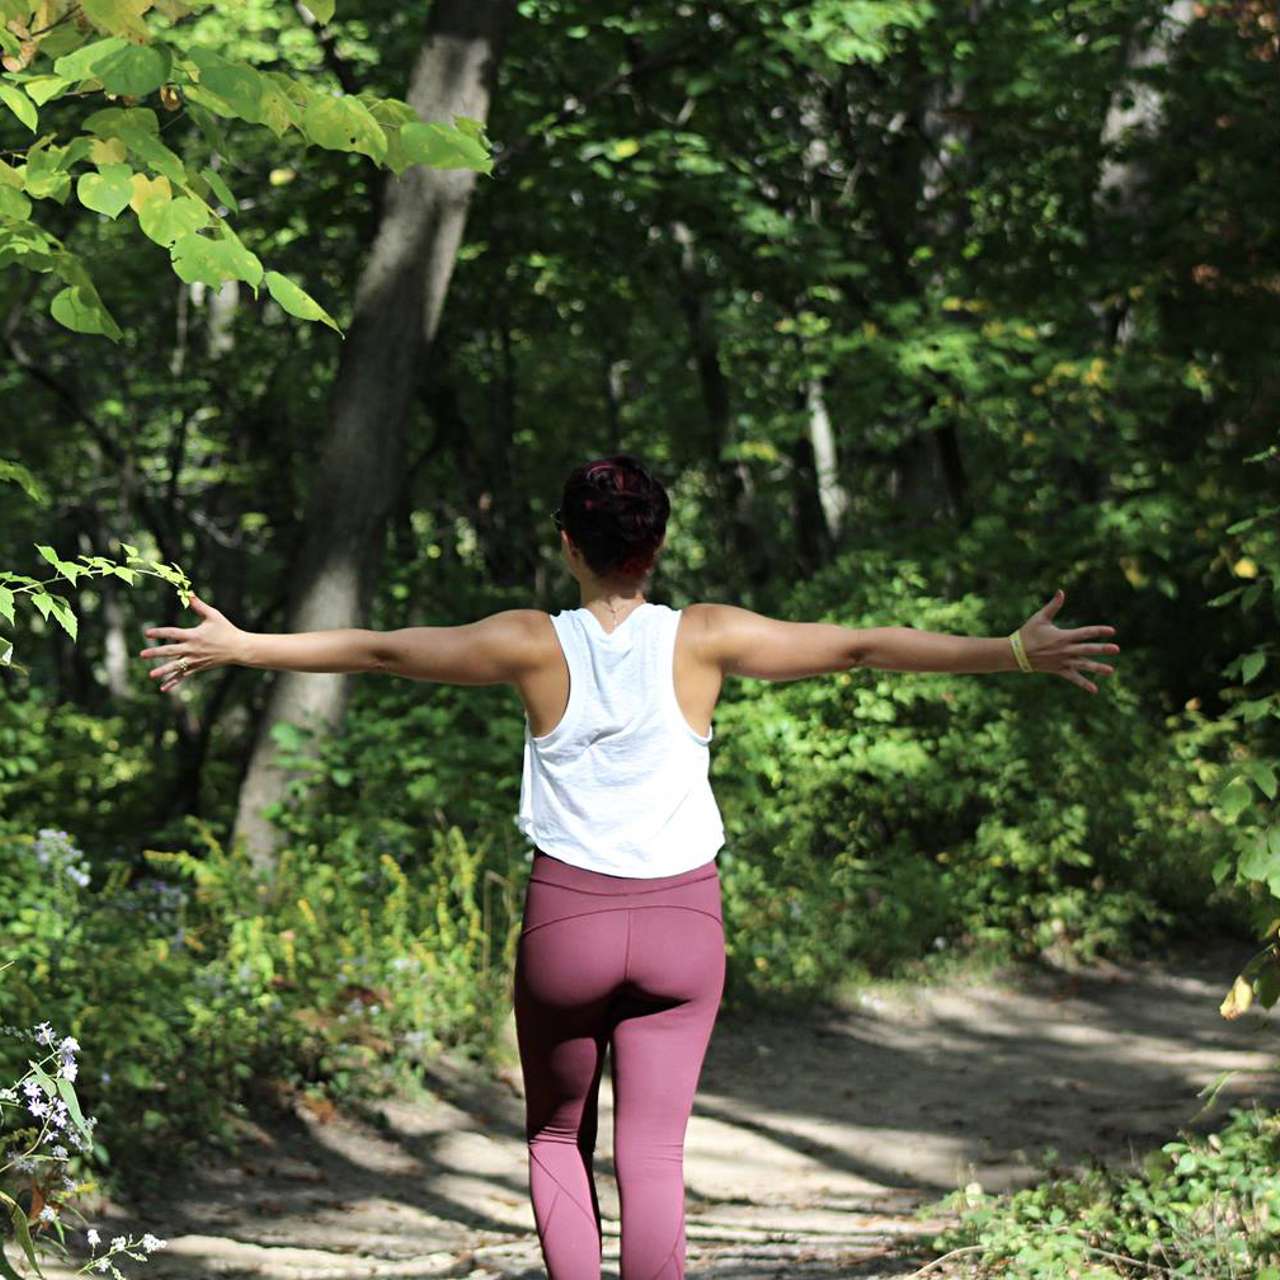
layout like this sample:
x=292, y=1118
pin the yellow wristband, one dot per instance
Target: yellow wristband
x=1024, y=663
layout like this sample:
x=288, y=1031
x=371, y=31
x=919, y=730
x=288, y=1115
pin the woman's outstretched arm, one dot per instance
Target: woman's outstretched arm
x=494, y=650
x=750, y=644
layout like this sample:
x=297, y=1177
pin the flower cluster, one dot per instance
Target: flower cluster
x=56, y=850
x=46, y=1094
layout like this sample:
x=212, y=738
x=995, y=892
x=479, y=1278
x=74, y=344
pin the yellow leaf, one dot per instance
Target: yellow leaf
x=1245, y=568
x=1238, y=1000
x=147, y=189
x=108, y=151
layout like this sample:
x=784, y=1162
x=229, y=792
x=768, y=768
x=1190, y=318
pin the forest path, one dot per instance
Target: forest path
x=812, y=1138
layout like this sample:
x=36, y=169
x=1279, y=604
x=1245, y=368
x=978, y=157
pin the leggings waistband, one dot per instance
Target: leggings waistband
x=548, y=869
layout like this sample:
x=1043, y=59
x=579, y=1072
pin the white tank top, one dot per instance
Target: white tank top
x=621, y=784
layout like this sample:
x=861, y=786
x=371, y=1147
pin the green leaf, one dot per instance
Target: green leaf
x=1257, y=862
x=196, y=257
x=219, y=187
x=20, y=105
x=1235, y=797
x=6, y=1268
x=442, y=146
x=165, y=221
x=120, y=17
x=322, y=10
x=13, y=204
x=135, y=70
x=154, y=154
x=296, y=301
x=1263, y=776
x=62, y=611
x=107, y=191
x=1252, y=664
x=24, y=1237
x=67, y=1091
x=79, y=65
x=81, y=310
x=6, y=604
x=15, y=473
x=42, y=89
x=232, y=89
x=114, y=122
x=344, y=124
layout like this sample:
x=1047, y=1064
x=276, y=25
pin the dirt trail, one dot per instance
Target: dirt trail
x=811, y=1140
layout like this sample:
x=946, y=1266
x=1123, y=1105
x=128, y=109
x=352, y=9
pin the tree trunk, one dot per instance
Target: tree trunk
x=1135, y=108
x=743, y=545
x=832, y=495
x=362, y=461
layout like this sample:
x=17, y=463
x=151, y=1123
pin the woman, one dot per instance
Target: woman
x=622, y=942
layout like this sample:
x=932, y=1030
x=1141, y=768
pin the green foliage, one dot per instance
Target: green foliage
x=194, y=981
x=873, y=816
x=46, y=603
x=1204, y=1207
x=66, y=51
x=1246, y=800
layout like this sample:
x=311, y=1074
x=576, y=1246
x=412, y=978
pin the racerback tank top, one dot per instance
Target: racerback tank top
x=621, y=784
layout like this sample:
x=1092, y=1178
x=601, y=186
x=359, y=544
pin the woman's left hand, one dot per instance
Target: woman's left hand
x=1065, y=653
x=214, y=642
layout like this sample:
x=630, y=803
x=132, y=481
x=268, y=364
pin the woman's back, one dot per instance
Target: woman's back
x=620, y=783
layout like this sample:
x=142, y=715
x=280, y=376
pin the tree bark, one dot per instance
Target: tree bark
x=399, y=300
x=743, y=544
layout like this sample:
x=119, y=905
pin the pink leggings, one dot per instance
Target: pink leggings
x=637, y=965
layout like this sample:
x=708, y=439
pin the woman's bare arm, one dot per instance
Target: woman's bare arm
x=494, y=650
x=750, y=644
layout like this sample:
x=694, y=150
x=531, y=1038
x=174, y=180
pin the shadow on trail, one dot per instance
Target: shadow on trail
x=815, y=1130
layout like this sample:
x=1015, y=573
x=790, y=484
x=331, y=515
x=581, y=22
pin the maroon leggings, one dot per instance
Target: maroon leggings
x=637, y=965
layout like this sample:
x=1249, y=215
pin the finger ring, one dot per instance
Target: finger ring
x=182, y=665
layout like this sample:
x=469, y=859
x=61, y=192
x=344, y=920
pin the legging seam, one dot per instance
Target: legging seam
x=601, y=910
x=609, y=893
x=591, y=1217
x=657, y=1274
x=626, y=954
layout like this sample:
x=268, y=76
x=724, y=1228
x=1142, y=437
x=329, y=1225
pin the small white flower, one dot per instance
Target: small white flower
x=118, y=1242
x=44, y=1033
x=60, y=1152
x=8, y=1095
x=68, y=1046
x=38, y=1108
x=151, y=1243
x=94, y=1238
x=48, y=1215
x=103, y=1263
x=69, y=1070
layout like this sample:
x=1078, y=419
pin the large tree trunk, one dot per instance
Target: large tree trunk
x=1136, y=109
x=399, y=300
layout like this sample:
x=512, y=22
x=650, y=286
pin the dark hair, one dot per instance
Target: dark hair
x=616, y=513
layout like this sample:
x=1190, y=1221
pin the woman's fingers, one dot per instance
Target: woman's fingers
x=1076, y=678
